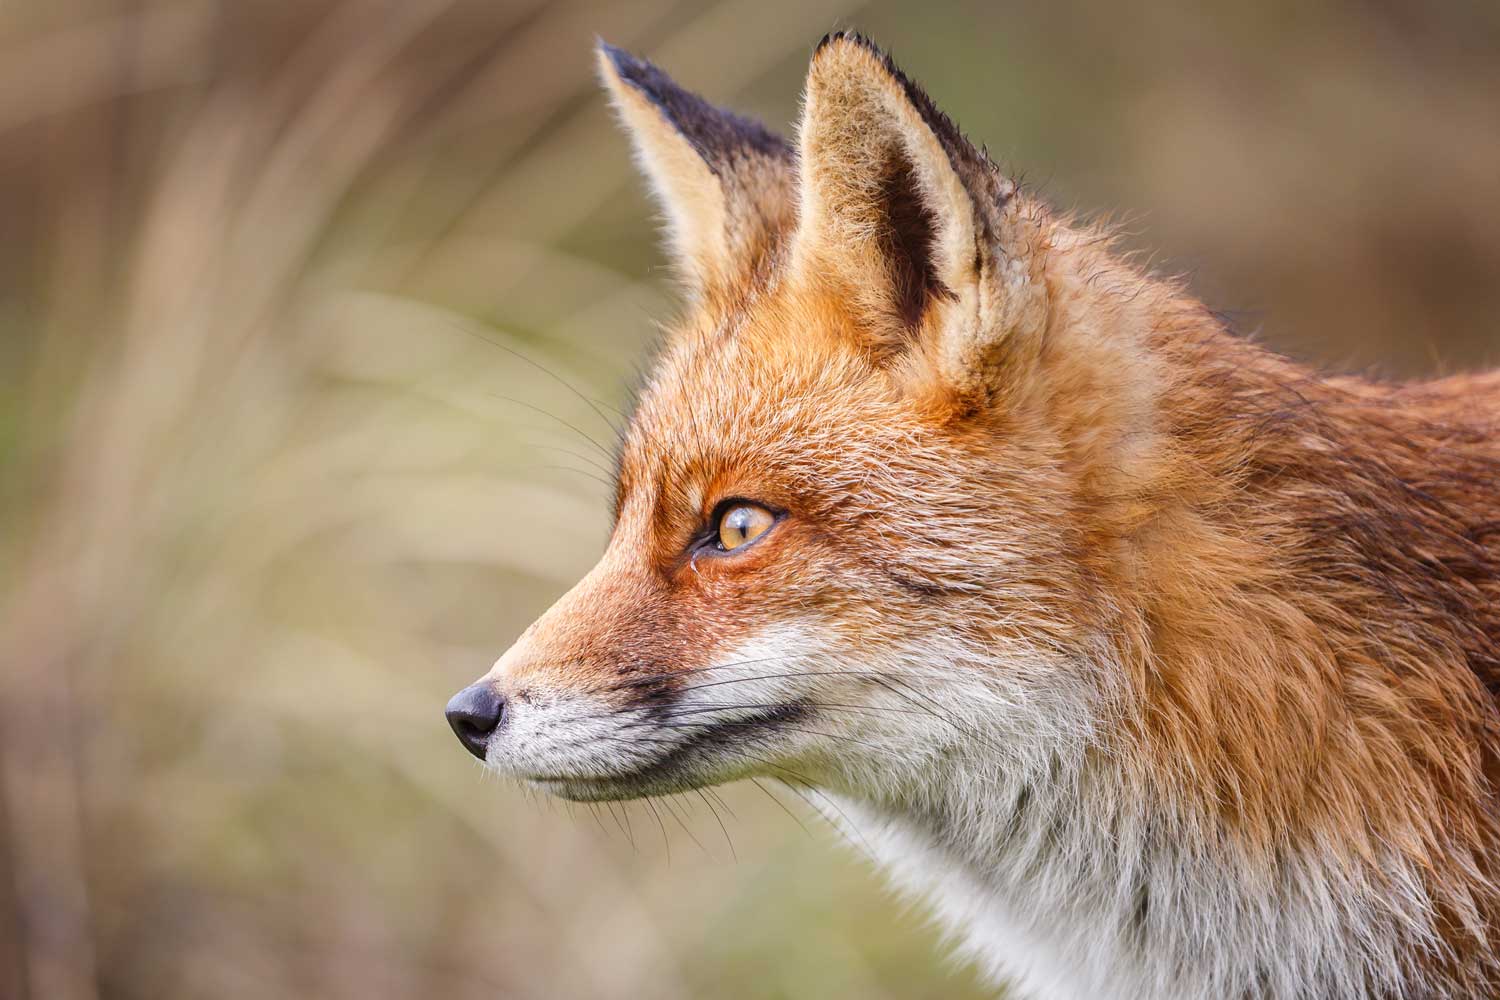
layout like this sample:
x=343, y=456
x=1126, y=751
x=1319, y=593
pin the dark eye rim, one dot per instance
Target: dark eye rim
x=707, y=543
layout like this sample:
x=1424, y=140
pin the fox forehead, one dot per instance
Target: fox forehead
x=768, y=400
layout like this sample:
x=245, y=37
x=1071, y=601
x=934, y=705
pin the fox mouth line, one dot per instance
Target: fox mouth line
x=673, y=769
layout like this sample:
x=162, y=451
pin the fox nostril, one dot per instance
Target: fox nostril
x=475, y=713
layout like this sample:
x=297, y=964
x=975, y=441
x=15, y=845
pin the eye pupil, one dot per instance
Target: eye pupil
x=743, y=523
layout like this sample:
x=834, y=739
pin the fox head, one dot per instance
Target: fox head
x=1129, y=635
x=852, y=522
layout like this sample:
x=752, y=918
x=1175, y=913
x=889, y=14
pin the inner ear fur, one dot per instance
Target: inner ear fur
x=907, y=230
x=726, y=183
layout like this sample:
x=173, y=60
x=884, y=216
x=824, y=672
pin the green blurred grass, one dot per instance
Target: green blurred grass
x=274, y=479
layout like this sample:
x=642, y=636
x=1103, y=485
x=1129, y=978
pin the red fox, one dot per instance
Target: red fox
x=1162, y=665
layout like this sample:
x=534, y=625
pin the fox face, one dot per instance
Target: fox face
x=1167, y=666
x=801, y=581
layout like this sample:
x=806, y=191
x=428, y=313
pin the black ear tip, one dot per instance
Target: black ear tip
x=712, y=132
x=632, y=69
x=605, y=49
x=628, y=66
x=851, y=37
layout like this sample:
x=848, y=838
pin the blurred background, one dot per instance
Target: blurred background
x=315, y=316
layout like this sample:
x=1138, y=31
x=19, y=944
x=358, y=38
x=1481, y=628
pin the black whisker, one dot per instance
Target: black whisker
x=868, y=848
x=722, y=828
x=794, y=781
x=594, y=812
x=569, y=468
x=892, y=683
x=667, y=804
x=782, y=805
x=700, y=726
x=819, y=706
x=720, y=800
x=666, y=842
x=541, y=368
x=616, y=811
x=884, y=679
x=589, y=460
x=552, y=416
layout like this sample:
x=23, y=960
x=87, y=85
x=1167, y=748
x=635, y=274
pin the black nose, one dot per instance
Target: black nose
x=475, y=713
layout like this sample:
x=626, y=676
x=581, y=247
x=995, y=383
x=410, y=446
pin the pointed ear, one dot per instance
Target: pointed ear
x=904, y=213
x=725, y=183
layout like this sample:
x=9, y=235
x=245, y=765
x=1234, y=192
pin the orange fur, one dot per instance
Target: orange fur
x=1277, y=593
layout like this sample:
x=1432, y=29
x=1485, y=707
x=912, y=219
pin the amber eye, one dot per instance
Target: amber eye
x=742, y=524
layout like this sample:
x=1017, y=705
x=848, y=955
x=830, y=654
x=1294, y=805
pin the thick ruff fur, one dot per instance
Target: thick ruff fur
x=1165, y=667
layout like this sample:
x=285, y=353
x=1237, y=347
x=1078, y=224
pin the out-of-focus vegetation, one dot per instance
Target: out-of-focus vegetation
x=288, y=291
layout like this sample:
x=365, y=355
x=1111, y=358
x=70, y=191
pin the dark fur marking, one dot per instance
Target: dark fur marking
x=907, y=236
x=717, y=135
x=1140, y=913
x=923, y=589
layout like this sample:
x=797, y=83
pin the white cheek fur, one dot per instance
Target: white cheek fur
x=984, y=781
